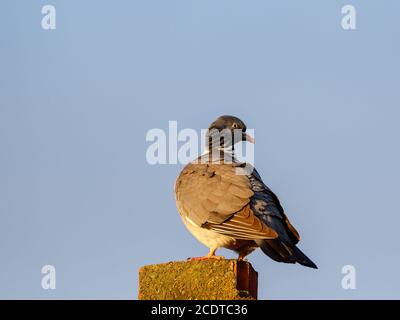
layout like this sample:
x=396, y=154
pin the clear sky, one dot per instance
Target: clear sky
x=76, y=103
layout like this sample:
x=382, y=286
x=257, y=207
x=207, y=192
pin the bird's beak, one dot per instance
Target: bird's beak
x=248, y=138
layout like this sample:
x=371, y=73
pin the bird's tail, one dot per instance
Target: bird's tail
x=281, y=251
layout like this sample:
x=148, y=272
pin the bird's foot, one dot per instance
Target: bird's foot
x=241, y=257
x=216, y=257
x=210, y=255
x=207, y=257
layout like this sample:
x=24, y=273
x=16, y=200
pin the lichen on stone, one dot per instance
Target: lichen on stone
x=190, y=280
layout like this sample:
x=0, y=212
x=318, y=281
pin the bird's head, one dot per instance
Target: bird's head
x=225, y=132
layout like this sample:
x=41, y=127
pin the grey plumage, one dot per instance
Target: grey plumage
x=222, y=208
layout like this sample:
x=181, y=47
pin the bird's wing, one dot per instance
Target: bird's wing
x=266, y=206
x=215, y=197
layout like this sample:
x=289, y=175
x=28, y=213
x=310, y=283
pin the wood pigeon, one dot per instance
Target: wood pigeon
x=224, y=202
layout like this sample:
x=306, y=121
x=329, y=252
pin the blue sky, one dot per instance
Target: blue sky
x=76, y=103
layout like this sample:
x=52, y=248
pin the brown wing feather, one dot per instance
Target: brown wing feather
x=292, y=229
x=243, y=225
x=214, y=196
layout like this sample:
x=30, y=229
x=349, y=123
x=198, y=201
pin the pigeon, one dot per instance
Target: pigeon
x=224, y=202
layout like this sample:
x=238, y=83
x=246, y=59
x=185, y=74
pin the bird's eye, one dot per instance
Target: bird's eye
x=235, y=125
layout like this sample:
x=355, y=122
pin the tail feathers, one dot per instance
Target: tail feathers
x=280, y=251
x=303, y=259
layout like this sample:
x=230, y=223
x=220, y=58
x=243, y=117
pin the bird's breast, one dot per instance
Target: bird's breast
x=209, y=238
